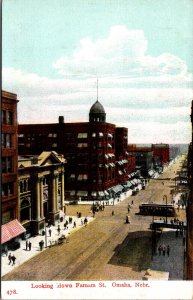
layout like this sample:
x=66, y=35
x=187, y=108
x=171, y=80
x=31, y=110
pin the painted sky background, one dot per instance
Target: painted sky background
x=141, y=51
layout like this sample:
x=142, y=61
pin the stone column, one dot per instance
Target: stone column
x=56, y=191
x=53, y=194
x=41, y=199
x=62, y=190
x=38, y=199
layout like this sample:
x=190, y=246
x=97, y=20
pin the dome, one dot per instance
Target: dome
x=97, y=108
x=97, y=113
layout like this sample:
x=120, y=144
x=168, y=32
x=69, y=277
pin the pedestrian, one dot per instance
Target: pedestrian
x=29, y=245
x=50, y=232
x=40, y=245
x=74, y=225
x=164, y=250
x=128, y=209
x=9, y=258
x=168, y=250
x=160, y=249
x=26, y=245
x=58, y=229
x=13, y=258
x=6, y=250
x=113, y=213
x=184, y=241
x=132, y=202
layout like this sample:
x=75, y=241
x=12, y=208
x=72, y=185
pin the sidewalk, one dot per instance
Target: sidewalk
x=23, y=255
x=174, y=263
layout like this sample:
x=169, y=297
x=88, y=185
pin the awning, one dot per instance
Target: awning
x=94, y=194
x=117, y=188
x=82, y=193
x=101, y=193
x=150, y=172
x=11, y=230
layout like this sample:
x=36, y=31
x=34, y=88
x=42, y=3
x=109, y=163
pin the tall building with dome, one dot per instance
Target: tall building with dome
x=95, y=151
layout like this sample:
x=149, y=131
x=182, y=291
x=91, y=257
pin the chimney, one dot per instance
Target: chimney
x=61, y=119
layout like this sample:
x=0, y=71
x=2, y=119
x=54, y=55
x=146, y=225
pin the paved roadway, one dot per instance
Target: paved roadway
x=94, y=252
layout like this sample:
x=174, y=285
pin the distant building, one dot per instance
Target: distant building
x=96, y=153
x=143, y=158
x=41, y=190
x=162, y=151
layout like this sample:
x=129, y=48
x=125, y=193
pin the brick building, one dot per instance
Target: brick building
x=96, y=152
x=162, y=151
x=9, y=129
x=143, y=158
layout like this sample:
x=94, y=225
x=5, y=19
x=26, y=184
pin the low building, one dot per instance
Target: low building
x=40, y=190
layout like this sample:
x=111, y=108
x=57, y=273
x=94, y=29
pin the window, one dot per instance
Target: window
x=10, y=117
x=94, y=134
x=82, y=177
x=6, y=140
x=83, y=135
x=3, y=116
x=7, y=117
x=6, y=164
x=82, y=145
x=7, y=189
x=52, y=135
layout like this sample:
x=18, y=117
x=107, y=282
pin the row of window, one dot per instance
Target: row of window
x=7, y=117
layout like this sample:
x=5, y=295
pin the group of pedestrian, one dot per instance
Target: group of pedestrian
x=28, y=245
x=162, y=249
x=12, y=259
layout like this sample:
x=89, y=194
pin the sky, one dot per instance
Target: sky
x=141, y=52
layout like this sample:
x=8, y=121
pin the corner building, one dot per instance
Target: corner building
x=9, y=190
x=96, y=153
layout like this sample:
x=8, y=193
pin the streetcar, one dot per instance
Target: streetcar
x=156, y=209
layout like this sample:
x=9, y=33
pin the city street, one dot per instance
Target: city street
x=108, y=248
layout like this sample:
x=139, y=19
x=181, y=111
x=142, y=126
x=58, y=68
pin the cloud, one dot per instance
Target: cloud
x=123, y=53
x=150, y=95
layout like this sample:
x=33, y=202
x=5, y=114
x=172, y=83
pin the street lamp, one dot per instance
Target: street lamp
x=165, y=197
x=46, y=244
